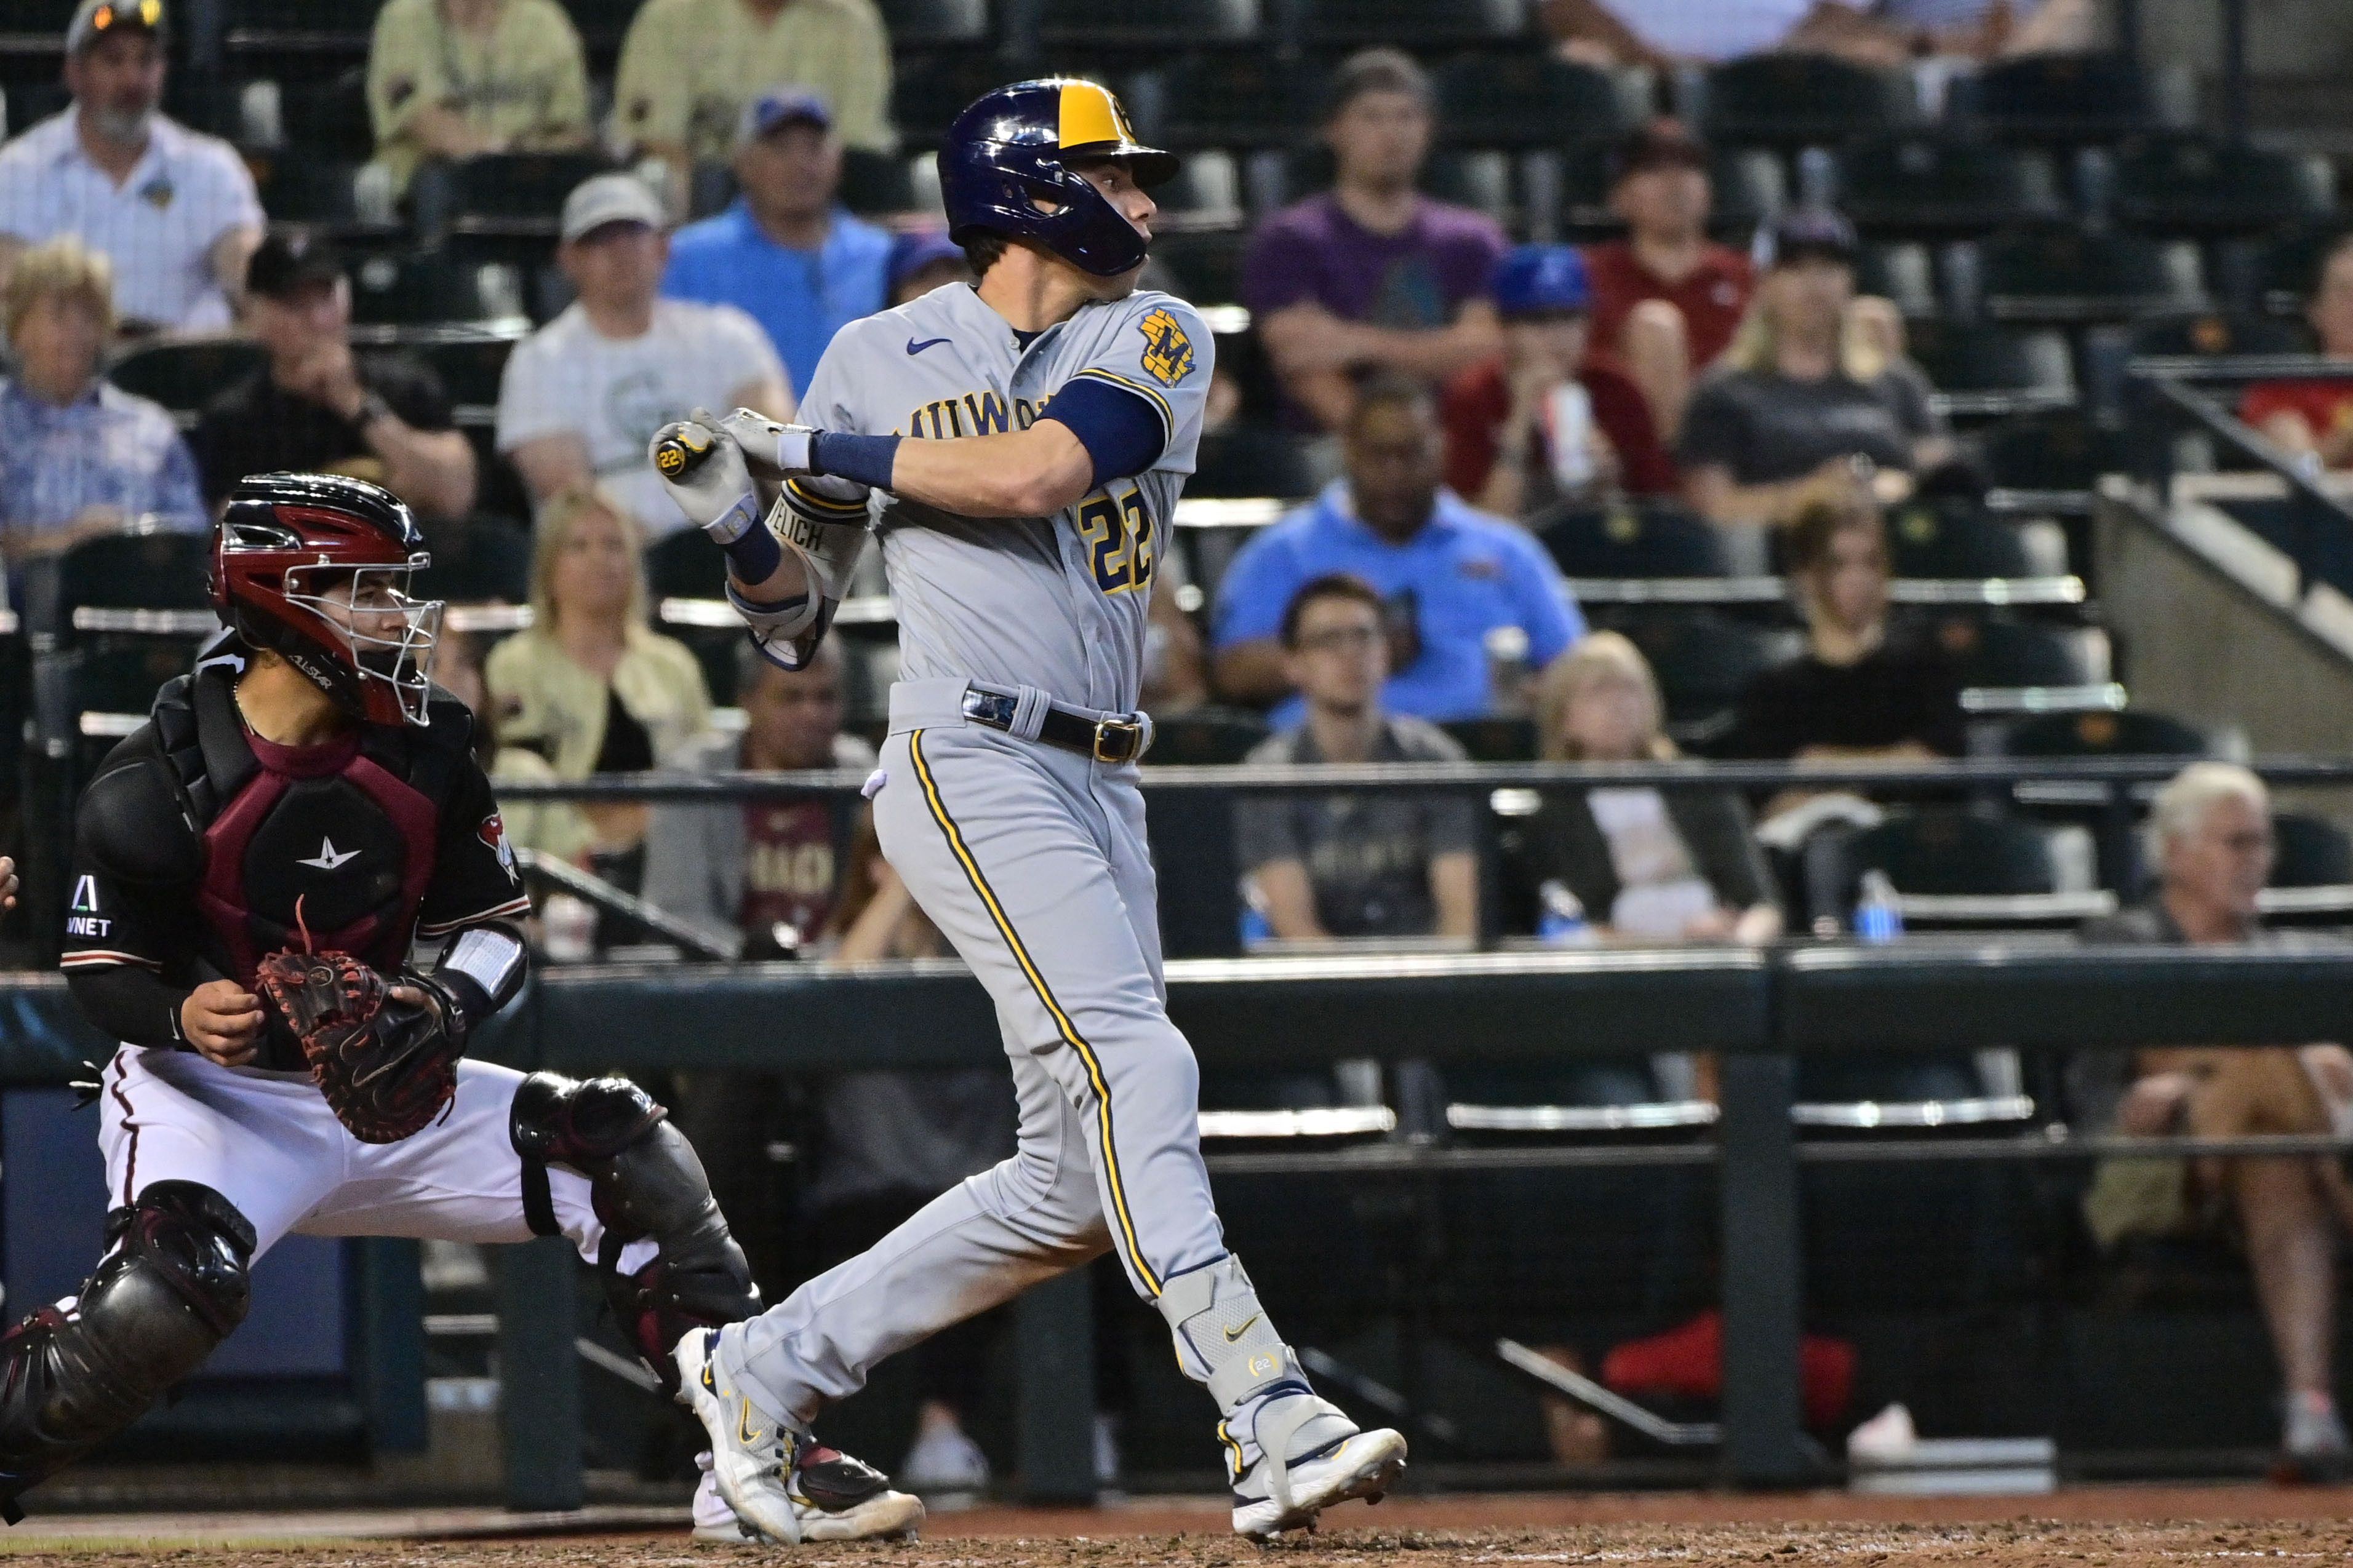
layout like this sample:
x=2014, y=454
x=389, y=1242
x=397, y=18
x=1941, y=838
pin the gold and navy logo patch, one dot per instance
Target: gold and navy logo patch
x=1168, y=353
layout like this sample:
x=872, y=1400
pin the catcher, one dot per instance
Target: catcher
x=253, y=870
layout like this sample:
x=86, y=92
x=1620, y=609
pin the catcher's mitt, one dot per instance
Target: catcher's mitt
x=384, y=1066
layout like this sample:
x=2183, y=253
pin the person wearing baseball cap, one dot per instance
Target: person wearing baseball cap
x=1808, y=406
x=583, y=396
x=1545, y=421
x=785, y=251
x=316, y=408
x=174, y=211
x=1666, y=299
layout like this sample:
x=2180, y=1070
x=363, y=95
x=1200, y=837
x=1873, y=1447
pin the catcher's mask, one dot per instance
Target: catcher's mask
x=316, y=568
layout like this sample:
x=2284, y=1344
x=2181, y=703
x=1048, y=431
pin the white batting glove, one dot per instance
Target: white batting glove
x=775, y=450
x=702, y=468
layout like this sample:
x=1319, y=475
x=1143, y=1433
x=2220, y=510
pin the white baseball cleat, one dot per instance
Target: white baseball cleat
x=783, y=1485
x=1330, y=1461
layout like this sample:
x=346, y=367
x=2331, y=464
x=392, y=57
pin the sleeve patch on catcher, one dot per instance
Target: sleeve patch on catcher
x=494, y=832
x=1168, y=353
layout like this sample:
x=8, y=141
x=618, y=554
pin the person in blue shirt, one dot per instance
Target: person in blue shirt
x=1450, y=574
x=784, y=251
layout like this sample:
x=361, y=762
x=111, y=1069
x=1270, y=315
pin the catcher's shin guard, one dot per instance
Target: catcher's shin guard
x=73, y=1374
x=645, y=1180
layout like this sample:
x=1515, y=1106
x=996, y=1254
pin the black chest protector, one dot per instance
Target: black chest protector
x=330, y=847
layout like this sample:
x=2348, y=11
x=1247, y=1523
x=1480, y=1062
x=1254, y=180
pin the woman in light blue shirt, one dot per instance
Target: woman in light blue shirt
x=79, y=457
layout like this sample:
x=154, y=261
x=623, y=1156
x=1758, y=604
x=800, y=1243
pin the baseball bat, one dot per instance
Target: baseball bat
x=679, y=456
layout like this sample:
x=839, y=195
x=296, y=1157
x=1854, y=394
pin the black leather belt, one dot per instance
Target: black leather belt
x=1118, y=739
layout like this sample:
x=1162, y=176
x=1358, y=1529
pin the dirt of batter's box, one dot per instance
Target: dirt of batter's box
x=2069, y=1543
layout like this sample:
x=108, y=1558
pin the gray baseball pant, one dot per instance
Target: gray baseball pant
x=1032, y=862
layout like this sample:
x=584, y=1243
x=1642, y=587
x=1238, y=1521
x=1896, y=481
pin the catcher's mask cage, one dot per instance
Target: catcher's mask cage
x=316, y=569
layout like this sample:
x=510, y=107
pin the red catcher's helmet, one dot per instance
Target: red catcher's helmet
x=316, y=568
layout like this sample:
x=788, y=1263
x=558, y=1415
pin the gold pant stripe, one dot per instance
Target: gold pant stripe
x=1069, y=1031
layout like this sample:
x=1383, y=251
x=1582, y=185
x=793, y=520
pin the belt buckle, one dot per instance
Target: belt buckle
x=1130, y=730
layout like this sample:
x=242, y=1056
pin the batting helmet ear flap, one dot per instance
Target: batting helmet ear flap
x=1016, y=148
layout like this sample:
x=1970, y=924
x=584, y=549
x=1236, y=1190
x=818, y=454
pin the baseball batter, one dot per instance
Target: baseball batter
x=250, y=869
x=1020, y=446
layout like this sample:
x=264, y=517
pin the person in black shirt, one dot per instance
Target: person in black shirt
x=1855, y=693
x=317, y=407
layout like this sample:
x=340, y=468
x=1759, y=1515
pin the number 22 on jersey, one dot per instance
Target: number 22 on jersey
x=1118, y=536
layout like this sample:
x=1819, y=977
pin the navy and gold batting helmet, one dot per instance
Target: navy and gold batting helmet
x=1018, y=145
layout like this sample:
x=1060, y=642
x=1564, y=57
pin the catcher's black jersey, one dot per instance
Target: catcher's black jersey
x=199, y=848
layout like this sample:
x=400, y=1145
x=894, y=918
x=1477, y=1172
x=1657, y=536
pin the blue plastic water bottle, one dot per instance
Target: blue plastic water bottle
x=1560, y=917
x=1878, y=917
x=1256, y=928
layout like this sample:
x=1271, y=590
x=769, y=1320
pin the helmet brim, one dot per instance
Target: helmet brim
x=1148, y=166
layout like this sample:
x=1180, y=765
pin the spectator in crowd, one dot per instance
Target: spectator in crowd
x=1452, y=578
x=1885, y=35
x=2315, y=418
x=786, y=254
x=1855, y=694
x=1804, y=406
x=1643, y=864
x=588, y=687
x=1995, y=29
x=173, y=210
x=922, y=262
x=689, y=67
x=456, y=79
x=2209, y=839
x=1350, y=865
x=317, y=406
x=79, y=457
x=766, y=868
x=1666, y=299
x=1544, y=423
x=583, y=395
x=1372, y=275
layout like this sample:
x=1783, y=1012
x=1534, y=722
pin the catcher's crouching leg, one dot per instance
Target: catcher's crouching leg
x=73, y=1374
x=644, y=1182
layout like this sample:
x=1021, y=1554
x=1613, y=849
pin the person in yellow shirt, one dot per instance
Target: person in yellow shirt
x=457, y=78
x=687, y=67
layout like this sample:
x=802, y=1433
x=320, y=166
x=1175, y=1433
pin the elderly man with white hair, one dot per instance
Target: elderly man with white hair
x=2210, y=841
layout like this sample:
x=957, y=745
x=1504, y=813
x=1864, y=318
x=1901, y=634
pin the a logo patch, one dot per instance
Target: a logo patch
x=85, y=896
x=1168, y=353
x=329, y=858
x=494, y=832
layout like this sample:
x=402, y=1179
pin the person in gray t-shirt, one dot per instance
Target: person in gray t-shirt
x=1355, y=865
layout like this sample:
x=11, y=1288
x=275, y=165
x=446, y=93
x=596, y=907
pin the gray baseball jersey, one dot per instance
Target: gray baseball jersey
x=1055, y=603
x=1031, y=861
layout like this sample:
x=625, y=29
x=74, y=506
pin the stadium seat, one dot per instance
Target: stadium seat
x=1234, y=98
x=1413, y=24
x=296, y=26
x=469, y=367
x=1205, y=736
x=430, y=287
x=2055, y=273
x=876, y=184
x=1174, y=23
x=1750, y=185
x=137, y=571
x=1657, y=541
x=2056, y=97
x=1795, y=100
x=2131, y=733
x=478, y=560
x=1982, y=369
x=918, y=22
x=1497, y=738
x=1704, y=662
x=2285, y=268
x=1927, y=187
x=1990, y=651
x=1525, y=99
x=1480, y=178
x=2313, y=852
x=1902, y=273
x=2060, y=452
x=184, y=374
x=930, y=90
x=328, y=119
x=320, y=194
x=518, y=191
x=29, y=103
x=1951, y=849
x=1250, y=458
x=1209, y=264
x=1206, y=193
x=1954, y=538
x=2209, y=333
x=2201, y=185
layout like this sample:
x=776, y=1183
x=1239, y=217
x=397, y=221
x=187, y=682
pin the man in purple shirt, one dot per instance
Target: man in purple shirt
x=1372, y=275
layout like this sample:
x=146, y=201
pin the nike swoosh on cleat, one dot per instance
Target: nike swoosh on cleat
x=915, y=348
x=1234, y=1334
x=743, y=1432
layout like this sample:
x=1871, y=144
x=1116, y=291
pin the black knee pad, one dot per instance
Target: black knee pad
x=644, y=1182
x=172, y=1287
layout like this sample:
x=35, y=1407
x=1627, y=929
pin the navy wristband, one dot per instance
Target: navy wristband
x=867, y=459
x=755, y=554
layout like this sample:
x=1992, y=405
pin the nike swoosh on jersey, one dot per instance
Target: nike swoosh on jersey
x=914, y=348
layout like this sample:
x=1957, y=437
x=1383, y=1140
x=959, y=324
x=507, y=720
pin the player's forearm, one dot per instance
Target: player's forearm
x=134, y=1005
x=1029, y=473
